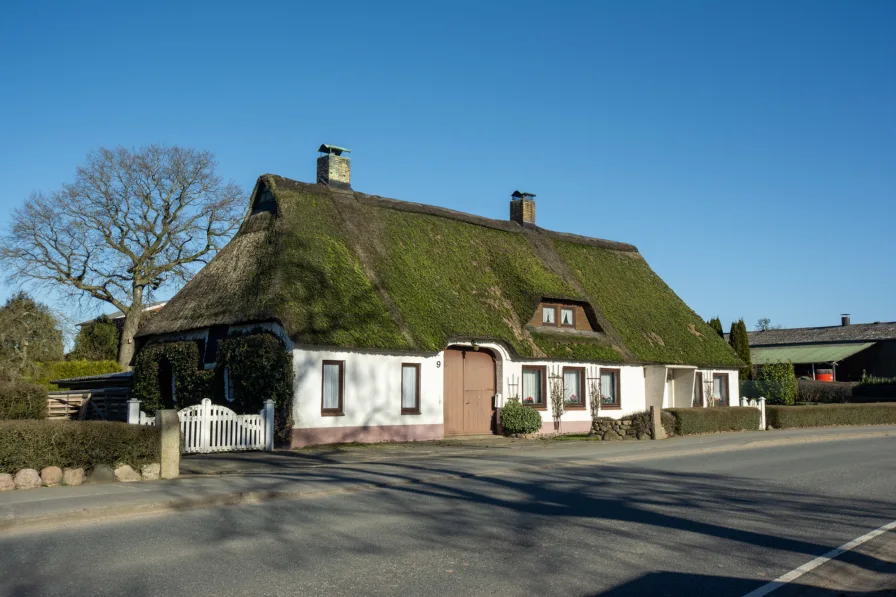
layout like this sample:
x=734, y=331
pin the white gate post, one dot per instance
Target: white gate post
x=134, y=411
x=205, y=424
x=267, y=418
x=762, y=413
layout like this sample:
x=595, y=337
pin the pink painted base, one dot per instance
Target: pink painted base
x=367, y=435
x=549, y=427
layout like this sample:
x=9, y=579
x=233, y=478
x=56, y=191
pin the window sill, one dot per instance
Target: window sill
x=610, y=407
x=575, y=407
x=331, y=413
x=410, y=411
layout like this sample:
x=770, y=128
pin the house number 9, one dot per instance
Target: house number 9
x=438, y=364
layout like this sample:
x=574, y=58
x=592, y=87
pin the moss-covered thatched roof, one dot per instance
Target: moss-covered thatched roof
x=345, y=269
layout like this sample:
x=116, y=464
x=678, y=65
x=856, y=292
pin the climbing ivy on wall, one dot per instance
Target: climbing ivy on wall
x=258, y=364
x=260, y=368
x=192, y=384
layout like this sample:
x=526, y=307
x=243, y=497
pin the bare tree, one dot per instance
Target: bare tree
x=130, y=222
x=764, y=323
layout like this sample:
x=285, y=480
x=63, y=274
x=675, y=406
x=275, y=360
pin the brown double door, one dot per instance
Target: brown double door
x=469, y=391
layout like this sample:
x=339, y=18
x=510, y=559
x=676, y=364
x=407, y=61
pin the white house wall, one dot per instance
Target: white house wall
x=371, y=399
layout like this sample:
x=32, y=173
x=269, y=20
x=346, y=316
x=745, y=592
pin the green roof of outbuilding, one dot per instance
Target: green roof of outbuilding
x=815, y=353
x=344, y=269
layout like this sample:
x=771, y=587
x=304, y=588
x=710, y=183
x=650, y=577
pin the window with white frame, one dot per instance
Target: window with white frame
x=549, y=315
x=229, y=393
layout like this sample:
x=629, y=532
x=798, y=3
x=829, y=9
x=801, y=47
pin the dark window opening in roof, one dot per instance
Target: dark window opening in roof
x=264, y=200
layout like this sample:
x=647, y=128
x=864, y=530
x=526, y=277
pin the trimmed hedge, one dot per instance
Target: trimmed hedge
x=824, y=415
x=77, y=368
x=826, y=392
x=22, y=400
x=85, y=444
x=519, y=419
x=689, y=421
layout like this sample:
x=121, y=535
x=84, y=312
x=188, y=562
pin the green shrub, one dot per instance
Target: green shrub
x=192, y=384
x=826, y=392
x=777, y=382
x=871, y=380
x=823, y=415
x=689, y=421
x=21, y=400
x=519, y=419
x=37, y=444
x=47, y=372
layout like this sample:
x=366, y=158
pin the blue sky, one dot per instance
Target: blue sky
x=748, y=149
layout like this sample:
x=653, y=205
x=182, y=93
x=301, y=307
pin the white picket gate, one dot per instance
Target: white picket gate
x=756, y=403
x=208, y=427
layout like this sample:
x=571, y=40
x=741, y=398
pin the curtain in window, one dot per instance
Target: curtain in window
x=531, y=386
x=608, y=387
x=408, y=387
x=228, y=385
x=331, y=386
x=566, y=316
x=572, y=387
x=718, y=389
x=548, y=314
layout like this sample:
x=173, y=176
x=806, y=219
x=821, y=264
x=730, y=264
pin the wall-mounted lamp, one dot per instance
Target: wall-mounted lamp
x=475, y=346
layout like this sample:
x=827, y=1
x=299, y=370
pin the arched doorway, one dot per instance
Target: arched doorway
x=469, y=391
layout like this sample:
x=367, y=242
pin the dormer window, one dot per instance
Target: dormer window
x=567, y=317
x=549, y=316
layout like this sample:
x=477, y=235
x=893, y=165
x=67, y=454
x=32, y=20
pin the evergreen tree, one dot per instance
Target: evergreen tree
x=29, y=334
x=97, y=341
x=740, y=342
x=716, y=324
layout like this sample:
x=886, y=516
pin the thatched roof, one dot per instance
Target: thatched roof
x=344, y=269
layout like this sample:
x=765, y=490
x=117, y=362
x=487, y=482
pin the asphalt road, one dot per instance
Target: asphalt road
x=705, y=524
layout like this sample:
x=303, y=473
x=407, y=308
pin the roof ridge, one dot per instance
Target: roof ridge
x=453, y=214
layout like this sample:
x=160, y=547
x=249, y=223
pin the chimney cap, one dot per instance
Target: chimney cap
x=333, y=149
x=522, y=195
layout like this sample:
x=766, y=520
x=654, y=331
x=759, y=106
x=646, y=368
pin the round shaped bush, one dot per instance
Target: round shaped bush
x=519, y=419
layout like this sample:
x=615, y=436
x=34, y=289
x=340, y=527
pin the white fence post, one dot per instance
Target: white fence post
x=204, y=425
x=134, y=411
x=267, y=418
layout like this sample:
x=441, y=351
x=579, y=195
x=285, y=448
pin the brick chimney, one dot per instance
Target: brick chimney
x=522, y=209
x=333, y=169
x=844, y=319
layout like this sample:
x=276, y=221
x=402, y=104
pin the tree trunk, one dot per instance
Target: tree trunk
x=129, y=330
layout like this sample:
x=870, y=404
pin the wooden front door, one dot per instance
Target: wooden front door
x=469, y=390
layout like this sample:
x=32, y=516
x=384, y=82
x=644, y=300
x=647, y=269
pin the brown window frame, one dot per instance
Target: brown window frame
x=544, y=387
x=698, y=387
x=416, y=409
x=725, y=393
x=333, y=412
x=618, y=373
x=575, y=405
x=556, y=320
x=560, y=318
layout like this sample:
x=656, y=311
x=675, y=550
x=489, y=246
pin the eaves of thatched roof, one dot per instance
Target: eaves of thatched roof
x=344, y=269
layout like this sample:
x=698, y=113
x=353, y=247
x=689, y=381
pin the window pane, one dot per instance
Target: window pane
x=228, y=385
x=572, y=386
x=717, y=388
x=331, y=386
x=566, y=316
x=548, y=315
x=608, y=387
x=408, y=386
x=531, y=386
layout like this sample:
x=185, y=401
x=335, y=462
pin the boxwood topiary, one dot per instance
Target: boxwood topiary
x=518, y=419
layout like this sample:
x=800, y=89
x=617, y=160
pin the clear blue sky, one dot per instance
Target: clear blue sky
x=748, y=149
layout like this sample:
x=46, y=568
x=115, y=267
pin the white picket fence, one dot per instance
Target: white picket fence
x=208, y=427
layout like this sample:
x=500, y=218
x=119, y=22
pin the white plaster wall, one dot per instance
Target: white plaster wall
x=631, y=382
x=372, y=394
